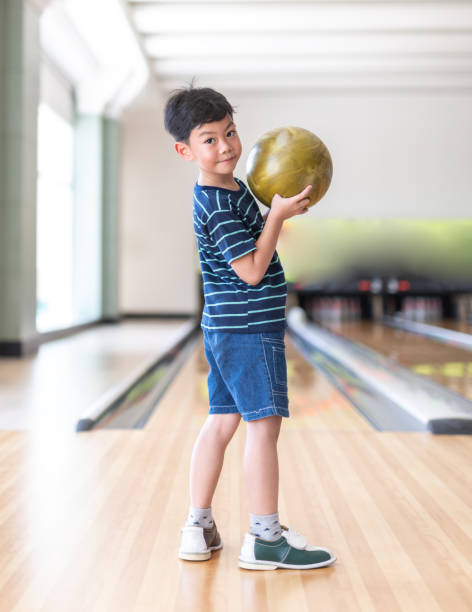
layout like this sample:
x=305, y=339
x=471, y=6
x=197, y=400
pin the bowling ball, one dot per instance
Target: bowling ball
x=285, y=161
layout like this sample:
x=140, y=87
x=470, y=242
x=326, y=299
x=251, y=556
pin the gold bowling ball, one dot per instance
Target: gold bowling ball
x=285, y=161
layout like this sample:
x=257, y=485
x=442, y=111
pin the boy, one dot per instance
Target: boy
x=243, y=325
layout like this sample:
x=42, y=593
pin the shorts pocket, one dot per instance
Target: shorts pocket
x=274, y=353
x=280, y=367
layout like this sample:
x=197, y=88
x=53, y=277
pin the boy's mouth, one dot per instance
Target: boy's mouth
x=229, y=159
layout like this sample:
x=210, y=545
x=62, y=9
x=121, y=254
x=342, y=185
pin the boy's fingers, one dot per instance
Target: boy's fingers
x=302, y=194
x=303, y=203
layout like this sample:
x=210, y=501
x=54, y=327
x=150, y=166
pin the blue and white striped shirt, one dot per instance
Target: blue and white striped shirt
x=227, y=224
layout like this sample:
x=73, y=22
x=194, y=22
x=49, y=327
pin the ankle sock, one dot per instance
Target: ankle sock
x=200, y=516
x=266, y=526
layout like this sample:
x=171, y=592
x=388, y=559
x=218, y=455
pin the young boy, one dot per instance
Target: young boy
x=243, y=325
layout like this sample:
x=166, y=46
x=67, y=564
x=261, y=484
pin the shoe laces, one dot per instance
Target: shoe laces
x=295, y=539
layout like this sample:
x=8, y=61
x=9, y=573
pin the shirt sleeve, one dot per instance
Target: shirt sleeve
x=227, y=231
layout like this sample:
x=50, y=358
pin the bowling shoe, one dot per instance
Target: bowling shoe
x=197, y=543
x=290, y=551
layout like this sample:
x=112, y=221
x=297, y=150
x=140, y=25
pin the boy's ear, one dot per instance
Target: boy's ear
x=183, y=151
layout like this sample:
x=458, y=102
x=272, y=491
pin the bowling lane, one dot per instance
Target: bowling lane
x=314, y=401
x=460, y=326
x=449, y=366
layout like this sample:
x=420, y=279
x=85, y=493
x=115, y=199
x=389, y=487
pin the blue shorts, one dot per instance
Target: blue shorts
x=248, y=373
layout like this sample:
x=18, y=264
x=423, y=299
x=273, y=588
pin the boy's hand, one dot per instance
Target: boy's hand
x=284, y=208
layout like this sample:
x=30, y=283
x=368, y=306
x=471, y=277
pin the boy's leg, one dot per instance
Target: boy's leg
x=200, y=535
x=207, y=456
x=261, y=465
x=271, y=545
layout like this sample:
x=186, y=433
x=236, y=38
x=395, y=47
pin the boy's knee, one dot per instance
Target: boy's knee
x=268, y=427
x=223, y=426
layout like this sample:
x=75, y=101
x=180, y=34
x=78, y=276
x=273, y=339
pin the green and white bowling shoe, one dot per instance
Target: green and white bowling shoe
x=290, y=551
x=197, y=543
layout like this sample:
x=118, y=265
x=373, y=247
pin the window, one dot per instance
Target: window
x=54, y=248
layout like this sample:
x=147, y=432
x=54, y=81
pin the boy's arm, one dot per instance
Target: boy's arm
x=252, y=267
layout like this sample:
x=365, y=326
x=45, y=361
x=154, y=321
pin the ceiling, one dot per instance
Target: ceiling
x=307, y=45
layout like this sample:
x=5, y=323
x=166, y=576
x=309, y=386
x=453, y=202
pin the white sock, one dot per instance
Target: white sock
x=266, y=526
x=200, y=516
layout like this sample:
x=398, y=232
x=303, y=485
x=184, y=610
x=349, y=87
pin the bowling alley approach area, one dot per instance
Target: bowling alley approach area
x=128, y=226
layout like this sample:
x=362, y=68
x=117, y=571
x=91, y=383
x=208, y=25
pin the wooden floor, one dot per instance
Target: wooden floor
x=91, y=521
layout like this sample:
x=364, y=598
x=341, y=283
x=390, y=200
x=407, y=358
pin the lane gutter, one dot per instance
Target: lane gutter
x=440, y=334
x=107, y=405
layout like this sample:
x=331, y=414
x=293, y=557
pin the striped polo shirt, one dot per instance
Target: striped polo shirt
x=227, y=225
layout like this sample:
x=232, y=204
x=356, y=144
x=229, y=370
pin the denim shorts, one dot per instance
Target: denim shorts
x=248, y=374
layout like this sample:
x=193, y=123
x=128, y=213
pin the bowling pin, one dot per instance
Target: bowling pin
x=421, y=309
x=323, y=309
x=407, y=308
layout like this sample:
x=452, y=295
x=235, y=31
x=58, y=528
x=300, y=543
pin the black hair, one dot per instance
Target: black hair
x=191, y=107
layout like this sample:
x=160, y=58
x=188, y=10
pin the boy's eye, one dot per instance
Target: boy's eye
x=209, y=139
x=231, y=132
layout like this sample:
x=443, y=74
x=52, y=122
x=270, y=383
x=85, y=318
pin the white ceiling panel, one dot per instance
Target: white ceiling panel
x=306, y=65
x=164, y=46
x=293, y=17
x=324, y=44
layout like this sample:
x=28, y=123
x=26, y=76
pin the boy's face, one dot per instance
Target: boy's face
x=215, y=147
